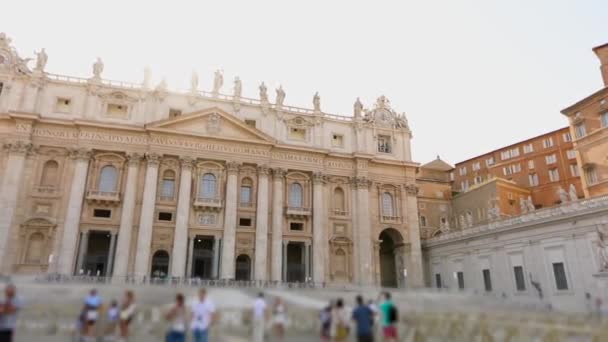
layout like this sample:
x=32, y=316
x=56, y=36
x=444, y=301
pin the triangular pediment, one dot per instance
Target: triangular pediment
x=211, y=122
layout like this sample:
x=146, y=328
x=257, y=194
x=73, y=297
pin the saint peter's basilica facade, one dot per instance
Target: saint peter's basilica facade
x=115, y=179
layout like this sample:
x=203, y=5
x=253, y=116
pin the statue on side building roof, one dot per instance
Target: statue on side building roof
x=358, y=108
x=280, y=96
x=572, y=193
x=316, y=102
x=147, y=83
x=41, y=59
x=194, y=82
x=563, y=195
x=530, y=204
x=238, y=87
x=523, y=205
x=218, y=81
x=263, y=93
x=97, y=68
x=602, y=248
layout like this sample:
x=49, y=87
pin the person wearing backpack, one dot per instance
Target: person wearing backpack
x=364, y=317
x=388, y=319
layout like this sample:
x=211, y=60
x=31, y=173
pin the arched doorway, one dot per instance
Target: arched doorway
x=243, y=267
x=390, y=241
x=160, y=264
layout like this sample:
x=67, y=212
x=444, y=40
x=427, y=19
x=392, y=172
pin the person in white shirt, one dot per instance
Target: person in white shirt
x=203, y=315
x=259, y=318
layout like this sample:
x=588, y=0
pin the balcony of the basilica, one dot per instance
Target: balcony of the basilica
x=208, y=203
x=46, y=191
x=339, y=212
x=103, y=197
x=390, y=219
x=297, y=212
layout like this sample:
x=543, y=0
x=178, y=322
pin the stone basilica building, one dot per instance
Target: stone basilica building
x=116, y=179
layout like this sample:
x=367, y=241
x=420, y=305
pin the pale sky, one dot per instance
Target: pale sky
x=472, y=76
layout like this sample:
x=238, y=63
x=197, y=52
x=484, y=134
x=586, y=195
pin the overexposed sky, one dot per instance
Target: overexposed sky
x=471, y=75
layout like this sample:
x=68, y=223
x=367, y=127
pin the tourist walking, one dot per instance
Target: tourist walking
x=325, y=318
x=388, y=319
x=90, y=314
x=279, y=318
x=127, y=312
x=9, y=308
x=364, y=318
x=177, y=318
x=259, y=318
x=340, y=326
x=203, y=315
x=112, y=320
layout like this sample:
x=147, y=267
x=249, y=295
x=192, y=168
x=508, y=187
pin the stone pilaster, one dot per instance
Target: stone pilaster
x=110, y=269
x=190, y=256
x=319, y=212
x=284, y=260
x=307, y=263
x=276, y=271
x=230, y=207
x=217, y=242
x=82, y=252
x=180, y=237
x=414, y=270
x=65, y=264
x=123, y=244
x=364, y=230
x=146, y=219
x=261, y=225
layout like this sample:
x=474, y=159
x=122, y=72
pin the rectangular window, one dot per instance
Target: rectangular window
x=548, y=142
x=515, y=152
x=490, y=161
x=533, y=178
x=452, y=176
x=462, y=171
x=528, y=148
x=550, y=159
x=567, y=137
x=245, y=222
x=168, y=188
x=571, y=154
x=173, y=113
x=516, y=168
x=117, y=110
x=384, y=144
x=559, y=271
x=478, y=179
x=245, y=195
x=604, y=119
x=250, y=123
x=591, y=176
x=438, y=280
x=62, y=105
x=530, y=164
x=579, y=130
x=422, y=221
x=574, y=170
x=460, y=277
x=507, y=170
x=487, y=280
x=553, y=175
x=464, y=185
x=298, y=226
x=504, y=155
x=337, y=140
x=163, y=216
x=102, y=213
x=520, y=283
x=476, y=166
x=297, y=133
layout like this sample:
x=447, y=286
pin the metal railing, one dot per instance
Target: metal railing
x=103, y=194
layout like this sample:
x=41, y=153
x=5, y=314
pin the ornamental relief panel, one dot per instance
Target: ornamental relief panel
x=162, y=238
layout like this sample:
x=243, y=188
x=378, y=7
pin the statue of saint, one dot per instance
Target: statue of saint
x=316, y=102
x=263, y=93
x=358, y=108
x=97, y=68
x=238, y=87
x=218, y=81
x=469, y=219
x=530, y=204
x=162, y=86
x=194, y=82
x=572, y=193
x=523, y=206
x=602, y=249
x=280, y=96
x=41, y=59
x=147, y=84
x=563, y=195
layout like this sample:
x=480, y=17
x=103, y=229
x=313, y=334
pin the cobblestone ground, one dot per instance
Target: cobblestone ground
x=28, y=337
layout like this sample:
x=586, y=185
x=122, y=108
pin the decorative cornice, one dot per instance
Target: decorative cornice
x=186, y=162
x=153, y=159
x=83, y=154
x=263, y=170
x=134, y=159
x=411, y=189
x=18, y=147
x=278, y=172
x=318, y=178
x=232, y=166
x=360, y=182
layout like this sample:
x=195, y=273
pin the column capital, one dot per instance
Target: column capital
x=153, y=158
x=83, y=154
x=360, y=182
x=18, y=147
x=318, y=177
x=278, y=172
x=411, y=189
x=232, y=166
x=134, y=159
x=285, y=243
x=186, y=162
x=263, y=170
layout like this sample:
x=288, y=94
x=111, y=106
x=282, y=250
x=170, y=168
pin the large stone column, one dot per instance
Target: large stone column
x=415, y=277
x=284, y=245
x=74, y=211
x=123, y=245
x=364, y=231
x=319, y=255
x=111, y=255
x=307, y=262
x=146, y=219
x=10, y=188
x=261, y=226
x=82, y=252
x=277, y=224
x=217, y=242
x=229, y=243
x=180, y=237
x=190, y=256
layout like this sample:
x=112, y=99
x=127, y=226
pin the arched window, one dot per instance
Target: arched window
x=107, y=179
x=35, y=246
x=422, y=221
x=246, y=191
x=208, y=186
x=160, y=264
x=339, y=199
x=168, y=185
x=49, y=173
x=295, y=195
x=387, y=204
